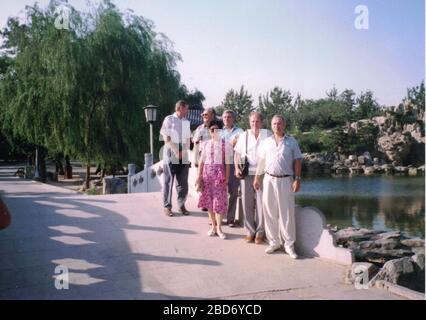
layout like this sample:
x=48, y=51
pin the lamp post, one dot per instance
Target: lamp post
x=151, y=117
x=36, y=171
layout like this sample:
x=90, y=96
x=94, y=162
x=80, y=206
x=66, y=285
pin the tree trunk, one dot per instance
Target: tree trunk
x=68, y=168
x=87, y=183
x=42, y=166
x=59, y=167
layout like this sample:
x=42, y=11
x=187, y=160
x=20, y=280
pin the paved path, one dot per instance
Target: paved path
x=124, y=247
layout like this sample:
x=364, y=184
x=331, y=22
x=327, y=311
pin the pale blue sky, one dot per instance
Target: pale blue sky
x=305, y=46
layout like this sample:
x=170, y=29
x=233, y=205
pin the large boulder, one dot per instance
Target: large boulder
x=407, y=272
x=396, y=146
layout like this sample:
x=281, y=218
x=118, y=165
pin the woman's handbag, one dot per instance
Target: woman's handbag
x=244, y=164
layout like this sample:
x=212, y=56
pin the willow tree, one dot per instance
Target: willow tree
x=81, y=91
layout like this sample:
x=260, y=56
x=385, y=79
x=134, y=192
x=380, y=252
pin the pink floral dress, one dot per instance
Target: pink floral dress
x=215, y=194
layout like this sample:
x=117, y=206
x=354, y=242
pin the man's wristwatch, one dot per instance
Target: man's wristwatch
x=297, y=178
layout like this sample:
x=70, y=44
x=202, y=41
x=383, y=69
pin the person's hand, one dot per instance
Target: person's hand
x=199, y=183
x=238, y=173
x=256, y=184
x=226, y=181
x=296, y=186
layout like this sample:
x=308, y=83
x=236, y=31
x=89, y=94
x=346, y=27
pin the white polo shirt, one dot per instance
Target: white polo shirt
x=252, y=149
x=179, y=131
x=279, y=158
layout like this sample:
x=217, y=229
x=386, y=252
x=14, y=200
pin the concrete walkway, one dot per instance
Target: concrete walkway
x=124, y=247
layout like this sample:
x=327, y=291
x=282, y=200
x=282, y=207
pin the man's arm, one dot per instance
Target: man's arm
x=297, y=174
x=259, y=172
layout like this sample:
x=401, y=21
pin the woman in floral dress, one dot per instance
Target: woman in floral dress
x=213, y=175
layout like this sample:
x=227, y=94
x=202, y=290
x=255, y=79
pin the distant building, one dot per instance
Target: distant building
x=194, y=116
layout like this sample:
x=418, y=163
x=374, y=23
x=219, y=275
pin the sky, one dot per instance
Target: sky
x=305, y=46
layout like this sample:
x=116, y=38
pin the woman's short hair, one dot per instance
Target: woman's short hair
x=217, y=123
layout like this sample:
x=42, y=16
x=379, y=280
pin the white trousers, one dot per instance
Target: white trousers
x=278, y=210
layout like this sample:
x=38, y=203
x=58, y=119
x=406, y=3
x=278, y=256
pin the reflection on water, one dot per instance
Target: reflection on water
x=379, y=202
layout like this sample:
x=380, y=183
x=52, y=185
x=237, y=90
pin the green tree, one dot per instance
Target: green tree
x=417, y=96
x=366, y=106
x=81, y=91
x=241, y=103
x=277, y=101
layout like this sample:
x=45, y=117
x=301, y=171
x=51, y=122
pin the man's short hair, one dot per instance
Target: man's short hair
x=232, y=113
x=279, y=117
x=256, y=114
x=212, y=110
x=181, y=103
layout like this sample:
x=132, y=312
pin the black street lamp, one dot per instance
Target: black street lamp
x=151, y=117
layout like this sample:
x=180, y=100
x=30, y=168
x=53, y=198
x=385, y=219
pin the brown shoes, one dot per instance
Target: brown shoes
x=168, y=212
x=258, y=240
x=249, y=239
x=184, y=211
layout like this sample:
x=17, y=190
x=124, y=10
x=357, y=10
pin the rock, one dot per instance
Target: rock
x=419, y=261
x=414, y=242
x=395, y=146
x=381, y=256
x=398, y=271
x=421, y=168
x=356, y=170
x=358, y=270
x=368, y=245
x=341, y=170
x=376, y=161
x=369, y=171
x=412, y=171
x=361, y=160
x=387, y=168
x=113, y=185
x=354, y=234
x=388, y=235
x=418, y=250
x=388, y=243
x=352, y=158
x=401, y=169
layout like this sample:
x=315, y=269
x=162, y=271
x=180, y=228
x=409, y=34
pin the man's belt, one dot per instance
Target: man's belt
x=283, y=176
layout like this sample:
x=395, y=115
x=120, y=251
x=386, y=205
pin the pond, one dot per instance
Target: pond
x=375, y=202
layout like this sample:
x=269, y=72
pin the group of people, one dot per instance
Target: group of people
x=220, y=148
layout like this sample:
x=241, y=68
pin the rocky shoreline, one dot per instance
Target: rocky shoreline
x=316, y=163
x=389, y=256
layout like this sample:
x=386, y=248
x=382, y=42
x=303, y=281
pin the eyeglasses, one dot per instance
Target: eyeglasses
x=213, y=129
x=204, y=114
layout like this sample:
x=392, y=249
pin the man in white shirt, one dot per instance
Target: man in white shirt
x=176, y=133
x=231, y=133
x=281, y=160
x=247, y=147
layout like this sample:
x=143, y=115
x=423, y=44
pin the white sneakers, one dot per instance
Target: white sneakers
x=289, y=249
x=272, y=248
